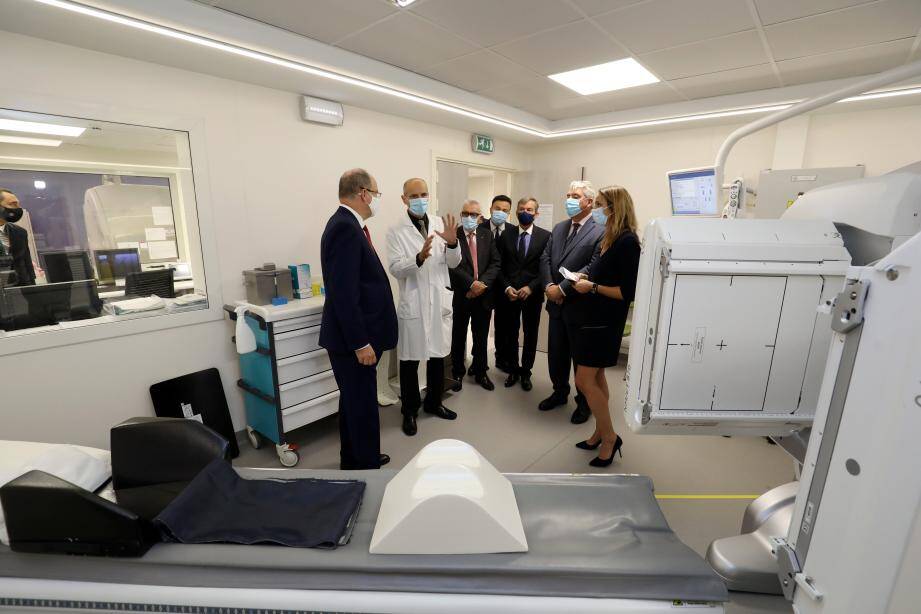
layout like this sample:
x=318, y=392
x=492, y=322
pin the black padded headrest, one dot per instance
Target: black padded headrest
x=148, y=451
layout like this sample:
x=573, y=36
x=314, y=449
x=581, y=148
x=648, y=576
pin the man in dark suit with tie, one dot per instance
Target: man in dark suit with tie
x=14, y=240
x=359, y=318
x=573, y=244
x=499, y=212
x=472, y=281
x=520, y=250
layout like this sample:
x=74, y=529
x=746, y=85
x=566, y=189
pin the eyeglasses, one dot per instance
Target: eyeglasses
x=469, y=214
x=372, y=192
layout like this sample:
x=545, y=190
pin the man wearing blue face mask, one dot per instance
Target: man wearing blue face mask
x=420, y=249
x=472, y=281
x=573, y=244
x=499, y=213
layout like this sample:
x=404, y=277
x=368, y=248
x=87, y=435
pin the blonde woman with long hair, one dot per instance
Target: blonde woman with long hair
x=596, y=318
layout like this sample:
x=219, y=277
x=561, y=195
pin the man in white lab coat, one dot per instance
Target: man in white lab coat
x=420, y=249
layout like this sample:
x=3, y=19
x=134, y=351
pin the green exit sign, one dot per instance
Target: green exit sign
x=482, y=144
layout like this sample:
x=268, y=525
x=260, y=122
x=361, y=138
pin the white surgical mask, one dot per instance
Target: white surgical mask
x=600, y=216
x=375, y=205
x=573, y=207
x=469, y=223
x=419, y=206
x=499, y=217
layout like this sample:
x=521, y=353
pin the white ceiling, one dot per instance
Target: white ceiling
x=504, y=49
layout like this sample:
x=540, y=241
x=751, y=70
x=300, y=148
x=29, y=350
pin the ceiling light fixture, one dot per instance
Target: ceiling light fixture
x=39, y=184
x=390, y=91
x=606, y=77
x=15, y=125
x=402, y=3
x=27, y=140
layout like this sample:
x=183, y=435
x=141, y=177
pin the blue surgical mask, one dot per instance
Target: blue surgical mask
x=573, y=208
x=600, y=216
x=499, y=217
x=418, y=206
x=525, y=218
x=469, y=223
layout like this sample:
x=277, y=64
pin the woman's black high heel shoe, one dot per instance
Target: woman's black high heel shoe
x=585, y=445
x=606, y=462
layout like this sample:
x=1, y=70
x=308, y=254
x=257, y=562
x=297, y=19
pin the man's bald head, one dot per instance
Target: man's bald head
x=415, y=187
x=352, y=181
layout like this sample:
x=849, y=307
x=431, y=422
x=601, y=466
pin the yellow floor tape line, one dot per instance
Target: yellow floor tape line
x=710, y=497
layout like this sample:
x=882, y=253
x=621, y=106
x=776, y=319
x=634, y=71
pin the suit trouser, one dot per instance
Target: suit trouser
x=409, y=385
x=359, y=420
x=559, y=358
x=523, y=315
x=506, y=332
x=475, y=313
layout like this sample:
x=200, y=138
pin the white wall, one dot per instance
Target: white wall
x=881, y=139
x=273, y=181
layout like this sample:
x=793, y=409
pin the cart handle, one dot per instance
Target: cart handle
x=256, y=393
x=232, y=313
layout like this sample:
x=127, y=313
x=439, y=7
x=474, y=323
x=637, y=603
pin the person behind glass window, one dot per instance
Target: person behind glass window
x=597, y=314
x=14, y=240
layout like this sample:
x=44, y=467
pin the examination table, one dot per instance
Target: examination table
x=598, y=543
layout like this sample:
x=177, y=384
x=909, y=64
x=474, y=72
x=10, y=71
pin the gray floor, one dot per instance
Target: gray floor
x=505, y=426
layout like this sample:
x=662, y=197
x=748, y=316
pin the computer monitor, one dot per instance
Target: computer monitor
x=112, y=264
x=693, y=192
x=61, y=266
x=40, y=305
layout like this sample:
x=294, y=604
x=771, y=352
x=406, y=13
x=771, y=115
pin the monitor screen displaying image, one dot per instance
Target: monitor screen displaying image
x=693, y=192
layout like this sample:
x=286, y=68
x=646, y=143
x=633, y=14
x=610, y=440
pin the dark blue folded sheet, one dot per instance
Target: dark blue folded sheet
x=220, y=506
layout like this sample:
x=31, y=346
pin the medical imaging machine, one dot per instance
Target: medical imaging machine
x=770, y=327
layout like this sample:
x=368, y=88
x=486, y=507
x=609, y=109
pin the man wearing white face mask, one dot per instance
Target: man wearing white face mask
x=420, y=249
x=359, y=321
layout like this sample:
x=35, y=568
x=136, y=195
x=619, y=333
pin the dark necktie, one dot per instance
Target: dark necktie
x=572, y=233
x=523, y=245
x=496, y=233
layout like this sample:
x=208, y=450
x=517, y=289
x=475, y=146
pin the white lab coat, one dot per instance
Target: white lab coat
x=424, y=311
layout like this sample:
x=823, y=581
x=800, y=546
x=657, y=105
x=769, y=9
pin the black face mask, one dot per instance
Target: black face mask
x=11, y=215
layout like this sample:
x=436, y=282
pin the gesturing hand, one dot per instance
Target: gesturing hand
x=366, y=356
x=449, y=234
x=426, y=249
x=582, y=286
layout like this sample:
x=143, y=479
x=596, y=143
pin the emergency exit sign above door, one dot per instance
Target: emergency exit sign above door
x=482, y=144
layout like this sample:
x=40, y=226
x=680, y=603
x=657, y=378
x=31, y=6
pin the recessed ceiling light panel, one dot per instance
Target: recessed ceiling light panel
x=402, y=3
x=15, y=125
x=606, y=77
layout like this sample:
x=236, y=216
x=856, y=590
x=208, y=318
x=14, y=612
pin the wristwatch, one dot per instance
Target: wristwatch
x=594, y=288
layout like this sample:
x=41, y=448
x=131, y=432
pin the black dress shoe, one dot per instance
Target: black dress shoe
x=384, y=459
x=458, y=383
x=585, y=445
x=409, y=425
x=470, y=371
x=580, y=415
x=511, y=380
x=442, y=412
x=605, y=462
x=554, y=400
x=526, y=384
x=485, y=382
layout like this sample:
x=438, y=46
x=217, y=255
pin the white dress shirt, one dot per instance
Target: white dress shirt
x=361, y=220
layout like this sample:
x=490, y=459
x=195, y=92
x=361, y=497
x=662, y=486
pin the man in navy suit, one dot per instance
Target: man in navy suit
x=520, y=250
x=359, y=318
x=573, y=244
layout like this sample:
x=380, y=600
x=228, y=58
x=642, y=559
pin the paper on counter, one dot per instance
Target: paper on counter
x=162, y=216
x=159, y=250
x=566, y=273
x=128, y=245
x=155, y=234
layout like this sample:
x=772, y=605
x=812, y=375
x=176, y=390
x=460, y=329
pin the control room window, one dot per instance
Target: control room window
x=98, y=224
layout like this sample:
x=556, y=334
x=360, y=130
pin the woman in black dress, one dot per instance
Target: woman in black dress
x=597, y=316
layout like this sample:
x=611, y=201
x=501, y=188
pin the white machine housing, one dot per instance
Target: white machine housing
x=730, y=336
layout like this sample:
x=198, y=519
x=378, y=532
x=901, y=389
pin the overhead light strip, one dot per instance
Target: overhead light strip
x=28, y=140
x=16, y=125
x=391, y=91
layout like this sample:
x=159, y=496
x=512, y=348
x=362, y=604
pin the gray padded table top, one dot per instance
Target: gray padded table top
x=600, y=536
